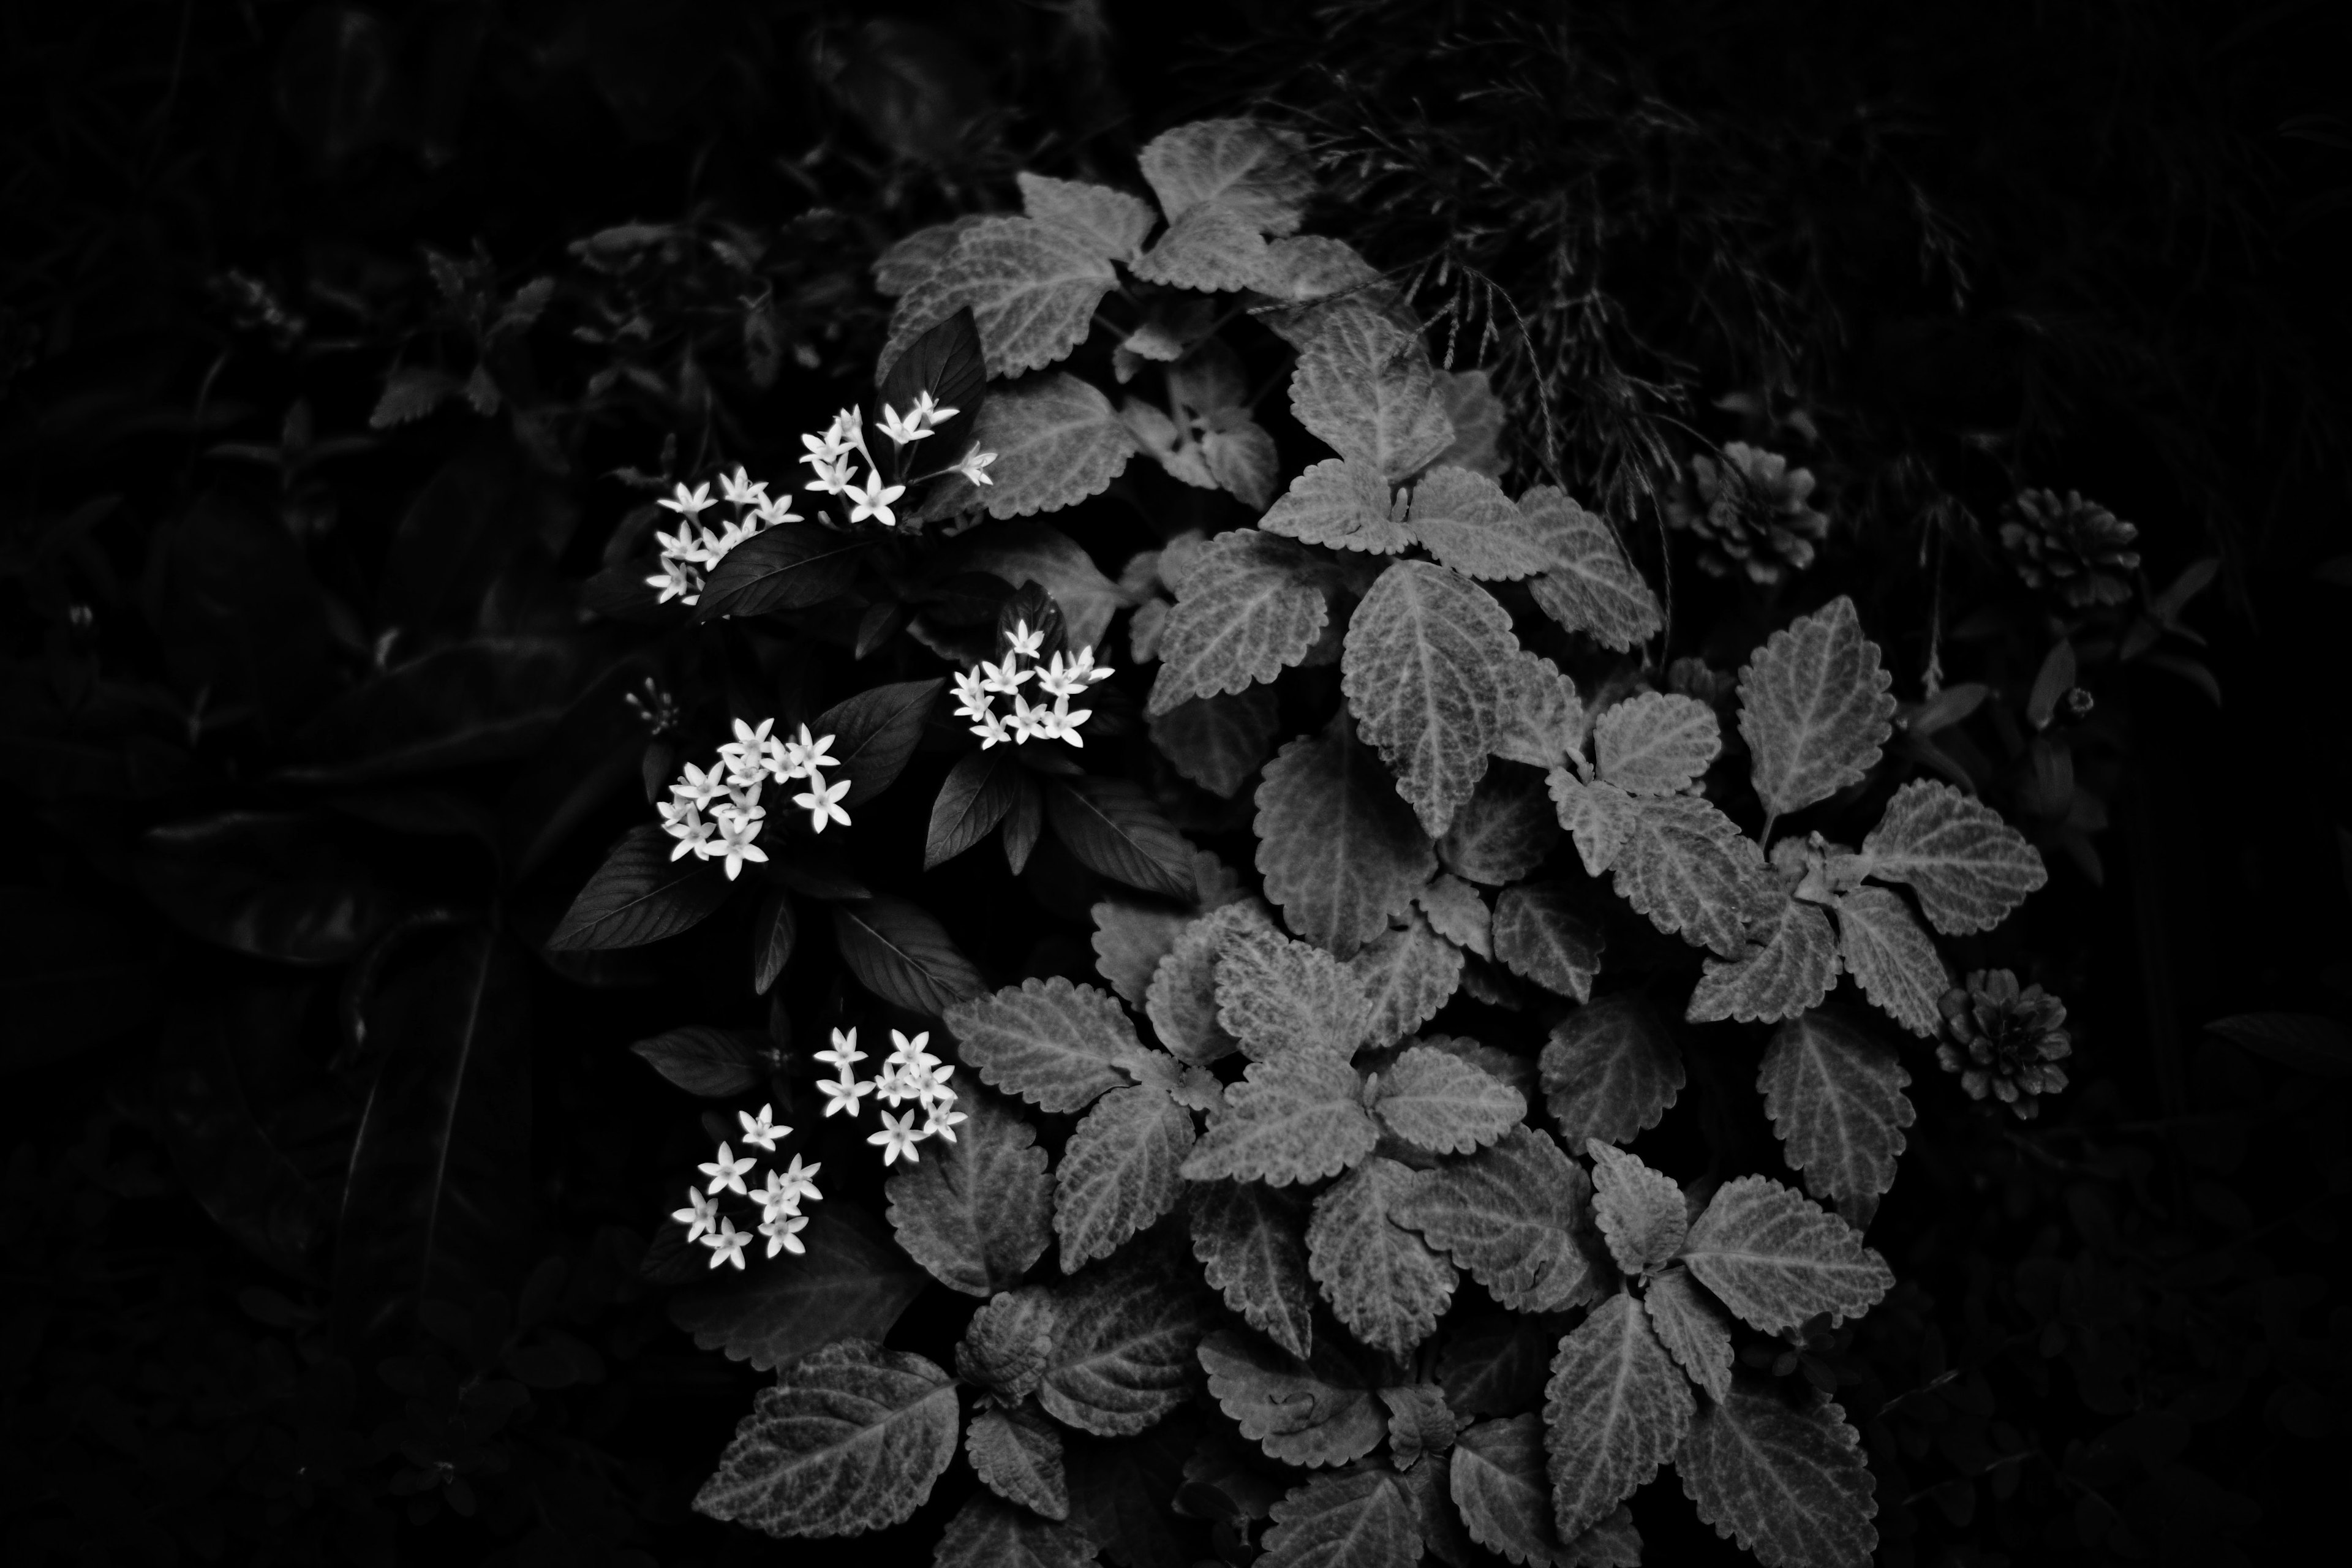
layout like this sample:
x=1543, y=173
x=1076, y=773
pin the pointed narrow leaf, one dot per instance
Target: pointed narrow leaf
x=1407, y=976
x=791, y=566
x=1777, y=1258
x=1113, y=222
x=1422, y=672
x=1655, y=744
x=976, y=1213
x=1688, y=868
x=1610, y=1071
x=1057, y=1045
x=1315, y=1411
x=1299, y=1117
x=717, y=1064
x=1387, y=1285
x=1251, y=605
x=851, y=1279
x=1123, y=1353
x=1640, y=1210
x=640, y=895
x=1510, y=1215
x=1613, y=1413
x=774, y=933
x=1032, y=288
x=1787, y=1483
x=1342, y=502
x=1835, y=1096
x=1275, y=995
x=1118, y=1173
x=1340, y=852
x=1017, y=1454
x=1112, y=827
x=1248, y=1239
x=1891, y=958
x=1815, y=708
x=1498, y=1481
x=1539, y=936
x=1502, y=832
x=1590, y=587
x=1694, y=1329
x=1183, y=999
x=903, y=955
x=1469, y=524
x=1361, y=1519
x=1791, y=970
x=1365, y=386
x=1437, y=1101
x=1968, y=866
x=874, y=733
x=979, y=790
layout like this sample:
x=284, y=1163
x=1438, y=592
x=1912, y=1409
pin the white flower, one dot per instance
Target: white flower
x=726, y=1172
x=891, y=1087
x=803, y=756
x=742, y=803
x=799, y=1183
x=822, y=802
x=735, y=845
x=726, y=1243
x=782, y=1232
x=873, y=500
x=901, y=431
x=845, y=1093
x=676, y=580
x=774, y=1197
x=929, y=411
x=760, y=1132
x=910, y=1053
x=689, y=503
x=778, y=510
x=700, y=1214
x=898, y=1138
x=1002, y=677
x=971, y=696
x=991, y=731
x=1024, y=643
x=845, y=1053
x=972, y=467
x=693, y=836
x=1065, y=723
x=943, y=1121
x=674, y=811
x=832, y=478
x=1031, y=723
x=738, y=488
x=744, y=755
x=698, y=787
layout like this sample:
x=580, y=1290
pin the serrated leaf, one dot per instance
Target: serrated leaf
x=1111, y=222
x=1776, y=1259
x=1362, y=1520
x=1510, y=1215
x=1693, y=1327
x=1057, y=1045
x=1815, y=708
x=1498, y=1481
x=1032, y=288
x=1422, y=672
x=850, y=1439
x=1113, y=828
x=1406, y=976
x=1212, y=247
x=1342, y=502
x=1790, y=971
x=1022, y=552
x=1610, y=1071
x=1247, y=1238
x=1009, y=1342
x=1182, y=999
x=1364, y=387
x=1250, y=606
x=1689, y=869
x=639, y=895
x=1312, y=267
x=1419, y=1423
x=1655, y=744
x=975, y=1213
x=1590, y=587
x=1496, y=1364
x=849, y=1279
x=1057, y=441
x=717, y=1064
x=1129, y=941
x=1313, y=1412
x=1387, y=1285
x=1257, y=171
x=1835, y=1098
x=1539, y=936
x=1434, y=1101
x=907, y=261
x=1613, y=1412
x=1457, y=912
x=1599, y=817
x=1502, y=1066
x=1502, y=832
x=1118, y=1173
x=1788, y=1484
x=1465, y=521
x=1339, y=851
x=1219, y=743
x=903, y=955
x=1640, y=1210
x=1543, y=718
x=986, y=1533
x=1968, y=866
x=1275, y=995
x=1242, y=459
x=1891, y=958
x=1123, y=1347
x=1299, y=1117
x=1017, y=1454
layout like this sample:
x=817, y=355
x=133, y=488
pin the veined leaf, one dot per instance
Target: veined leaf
x=1968, y=866
x=1275, y=995
x=1340, y=852
x=1597, y=815
x=1123, y=1351
x=1590, y=586
x=1360, y=1520
x=1893, y=962
x=640, y=895
x=1788, y=1484
x=874, y=733
x=1422, y=673
x=1610, y=1071
x=1502, y=832
x=1315, y=1411
x=1419, y=1423
x=1182, y=999
x=1496, y=1364
x=1057, y=1045
x=850, y=1279
x=903, y=955
x=1777, y=1258
x=1242, y=459
x=1130, y=940
x=1835, y=1096
x=1219, y=743
x=717, y=1064
x=1032, y=288
x=986, y=1533
x=1640, y=1210
x=976, y=1212
x=1406, y=976
x=1693, y=1327
x=978, y=791
x=1457, y=912
x=1212, y=247
x=1020, y=553
x=1688, y=868
x=1247, y=1237
x=1655, y=744
x=1613, y=1413
x=1110, y=221
x=1387, y=1285
x=1057, y=441
x=1509, y=1215
x=793, y=566
x=1343, y=503
x=773, y=932
x=1297, y=1117
x=1258, y=171
x=1251, y=605
x=1009, y=1342
x=1470, y=525
x=1364, y=384
x=1017, y=1454
x=1790, y=971
x=906, y=262
x=1113, y=828
x=1312, y=267
x=1815, y=708
x=1539, y=936
x=1437, y=1101
x=1118, y=1173
x=1498, y=1481
x=850, y=1439
x=1543, y=718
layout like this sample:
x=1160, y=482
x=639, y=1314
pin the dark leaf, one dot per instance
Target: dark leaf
x=640, y=895
x=851, y=1280
x=73, y=972
x=945, y=362
x=1112, y=827
x=903, y=955
x=978, y=792
x=773, y=934
x=2304, y=1041
x=478, y=701
x=790, y=567
x=987, y=1533
x=238, y=614
x=1251, y=1247
x=874, y=733
x=278, y=886
x=1123, y=1349
x=717, y=1064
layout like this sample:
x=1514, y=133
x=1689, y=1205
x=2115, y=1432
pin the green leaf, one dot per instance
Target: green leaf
x=1387, y=1285
x=850, y=1439
x=986, y=1533
x=1276, y=996
x=1787, y=1483
x=2304, y=1041
x=1364, y=386
x=1599, y=817
x=1590, y=586
x=1694, y=1329
x=850, y=1279
x=1212, y=247
x=1246, y=1237
x=977, y=793
x=1118, y=1173
x=1503, y=831
x=1893, y=962
x=1776, y=1259
x=1315, y=1411
x=976, y=1213
x=1968, y=866
x=1342, y=502
x=1361, y=1519
x=1112, y=827
x=640, y=895
x=1543, y=718
x=1407, y=976
x=1123, y=1350
x=1469, y=524
x=1613, y=1412
x=1110, y=221
x=1640, y=1210
x=901, y=955
x=1299, y=1117
x=1258, y=171
x=1835, y=1096
x=1498, y=1481
x=1057, y=441
x=1017, y=1454
x=1610, y=1071
x=874, y=733
x=717, y=1064
x=1437, y=1101
x=1057, y=1045
x=1790, y=971
x=793, y=566
x=1009, y=1342
x=1689, y=869
x=1339, y=851
x=1655, y=744
x=1032, y=288
x=1182, y=999
x=1219, y=743
x=1815, y=708
x=1510, y=1215
x=1250, y=606
x=1496, y=1364
x=1129, y=941
x=1421, y=670
x=1455, y=911
x=1539, y=936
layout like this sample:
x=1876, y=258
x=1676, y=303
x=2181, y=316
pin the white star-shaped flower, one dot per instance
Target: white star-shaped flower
x=898, y=1138
x=699, y=787
x=822, y=802
x=693, y=836
x=675, y=581
x=845, y=1093
x=1003, y=678
x=1029, y=723
x=727, y=1172
x=873, y=500
x=991, y=731
x=701, y=1213
x=943, y=1121
x=799, y=1183
x=782, y=1232
x=901, y=431
x=736, y=847
x=845, y=1053
x=1067, y=722
x=738, y=488
x=1024, y=643
x=974, y=467
x=773, y=1196
x=891, y=1087
x=726, y=1243
x=776, y=510
x=689, y=503
x=971, y=696
x=834, y=477
x=760, y=1132
x=929, y=411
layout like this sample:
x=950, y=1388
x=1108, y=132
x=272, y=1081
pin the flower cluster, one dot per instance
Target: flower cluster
x=978, y=688
x=834, y=455
x=908, y=1073
x=780, y=1196
x=691, y=554
x=729, y=790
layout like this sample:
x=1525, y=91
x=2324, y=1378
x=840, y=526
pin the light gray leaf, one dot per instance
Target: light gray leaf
x=1655, y=744
x=1423, y=675
x=909, y=260
x=1125, y=1333
x=1640, y=1210
x=1599, y=817
x=1968, y=866
x=1276, y=996
x=1543, y=718
x=1478, y=417
x=1250, y=606
x=1892, y=959
x=1182, y=999
x=1539, y=936
x=851, y=1278
x=1788, y=1484
x=1017, y=1454
x=1457, y=912
x=1219, y=743
x=1776, y=1259
x=1312, y=267
x=1689, y=869
x=1258, y=171
x=1032, y=290
x=1435, y=1100
x=1406, y=976
x=986, y=1533
x=1835, y=1096
x=1007, y=1344
x=1248, y=1239
x=1365, y=386
x=1610, y=1071
x=1590, y=586
x=1211, y=248
x=1611, y=1544
x=1613, y=1412
x=1361, y=1519
x=1343, y=503
x=1502, y=1066
x=1339, y=851
x=1498, y=1481
x=1815, y=708
x=1315, y=1411
x=1113, y=222
x=849, y=1439
x=1296, y=1118
x=1502, y=832
x=1419, y=1423
x=1387, y=1285
x=1693, y=1327
x=1057, y=1045
x=1469, y=524
x=1039, y=553
x=1130, y=941
x=1510, y=1215
x=1790, y=970
x=1119, y=1171
x=1057, y=441
x=976, y=1212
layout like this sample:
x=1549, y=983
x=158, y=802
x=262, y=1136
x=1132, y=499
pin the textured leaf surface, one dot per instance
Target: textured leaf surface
x=1835, y=1096
x=1790, y=1485
x=1123, y=1349
x=1111, y=221
x=1364, y=1519
x=1422, y=671
x=850, y=1439
x=1419, y=1423
x=1009, y=1342
x=1057, y=440
x=1498, y=1481
x=1496, y=1364
x=1815, y=708
x=1211, y=248
x=1776, y=1259
x=1219, y=743
x=1655, y=744
x=1790, y=970
x=1250, y=606
x=1118, y=1173
x=986, y=1533
x=1114, y=829
x=1590, y=586
x=1509, y=1215
x=1539, y=936
x=1023, y=552
x=1597, y=815
x=1256, y=170
x=1032, y=288
x=976, y=1213
x=1968, y=866
x=1457, y=912
x=906, y=262
x=1693, y=1327
x=1299, y=1117
x=1315, y=1411
x=1543, y=718
x=1437, y=1101
x=1688, y=868
x=1182, y=999
x=1120, y=1490
x=1892, y=959
x=903, y=955
x=1613, y=1412
x=1057, y=1045
x=1640, y=1209
x=1365, y=386
x=1503, y=831
x=1406, y=976
x=1610, y=1071
x=1249, y=1240
x=1276, y=996
x=1130, y=940
x=1387, y=1285
x=1343, y=503
x=1017, y=1454
x=850, y=1279
x=1469, y=524
x=1339, y=851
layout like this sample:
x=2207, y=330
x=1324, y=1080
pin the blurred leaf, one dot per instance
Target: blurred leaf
x=236, y=610
x=335, y=80
x=280, y=886
x=2304, y=1041
x=717, y=1064
x=640, y=895
x=595, y=749
x=481, y=701
x=457, y=537
x=851, y=1281
x=73, y=974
